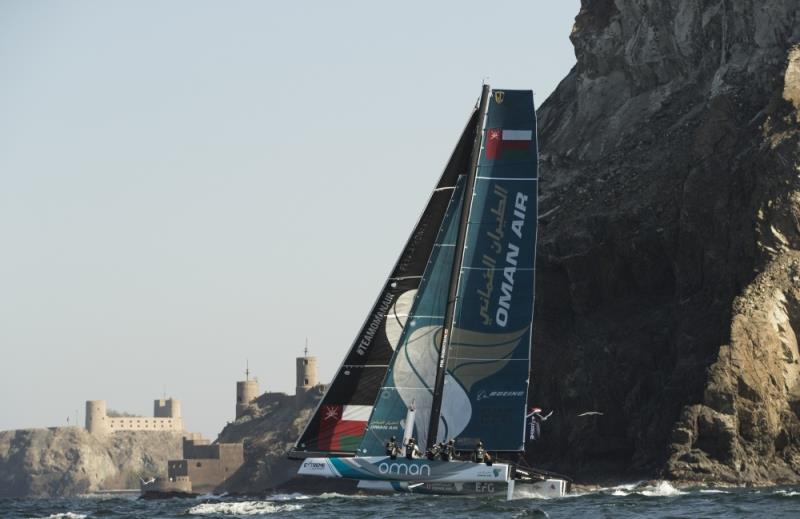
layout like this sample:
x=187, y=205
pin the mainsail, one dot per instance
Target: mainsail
x=463, y=358
x=339, y=422
x=488, y=357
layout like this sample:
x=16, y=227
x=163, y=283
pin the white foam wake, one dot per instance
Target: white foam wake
x=243, y=508
x=662, y=489
x=66, y=515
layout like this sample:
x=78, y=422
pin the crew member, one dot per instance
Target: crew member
x=449, y=451
x=479, y=455
x=412, y=451
x=391, y=448
x=434, y=451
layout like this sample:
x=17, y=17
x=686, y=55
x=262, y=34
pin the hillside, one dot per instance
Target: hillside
x=65, y=461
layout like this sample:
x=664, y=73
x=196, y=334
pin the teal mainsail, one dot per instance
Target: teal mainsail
x=412, y=373
x=489, y=350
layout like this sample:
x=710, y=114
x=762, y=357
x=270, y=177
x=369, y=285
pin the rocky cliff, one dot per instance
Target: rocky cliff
x=64, y=461
x=668, y=284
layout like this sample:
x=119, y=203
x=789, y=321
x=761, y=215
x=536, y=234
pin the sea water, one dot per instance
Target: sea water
x=658, y=500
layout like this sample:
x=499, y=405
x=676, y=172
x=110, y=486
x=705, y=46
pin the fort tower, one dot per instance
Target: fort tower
x=306, y=373
x=246, y=392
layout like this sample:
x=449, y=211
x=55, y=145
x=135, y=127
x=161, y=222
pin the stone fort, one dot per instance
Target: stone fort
x=166, y=417
x=167, y=411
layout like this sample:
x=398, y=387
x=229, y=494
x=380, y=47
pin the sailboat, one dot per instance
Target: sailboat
x=444, y=353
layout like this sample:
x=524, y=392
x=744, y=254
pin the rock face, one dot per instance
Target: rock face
x=668, y=284
x=65, y=461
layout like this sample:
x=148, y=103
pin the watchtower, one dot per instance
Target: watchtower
x=166, y=408
x=96, y=417
x=246, y=392
x=306, y=373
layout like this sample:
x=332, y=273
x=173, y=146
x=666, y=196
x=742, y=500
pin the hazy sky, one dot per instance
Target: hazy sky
x=186, y=185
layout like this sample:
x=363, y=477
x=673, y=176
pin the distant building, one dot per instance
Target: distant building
x=205, y=467
x=166, y=417
x=306, y=373
x=246, y=393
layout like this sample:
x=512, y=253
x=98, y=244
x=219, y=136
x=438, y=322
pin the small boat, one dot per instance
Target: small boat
x=444, y=353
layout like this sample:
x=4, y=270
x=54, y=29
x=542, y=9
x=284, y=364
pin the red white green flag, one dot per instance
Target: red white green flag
x=508, y=144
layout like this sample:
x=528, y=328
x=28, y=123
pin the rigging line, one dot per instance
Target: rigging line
x=401, y=278
x=407, y=387
x=478, y=360
x=397, y=317
x=524, y=269
x=449, y=188
x=508, y=178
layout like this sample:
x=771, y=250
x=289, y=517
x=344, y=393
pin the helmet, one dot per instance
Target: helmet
x=480, y=443
x=393, y=438
x=451, y=442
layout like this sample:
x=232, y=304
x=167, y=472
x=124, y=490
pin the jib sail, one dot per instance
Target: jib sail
x=338, y=424
x=411, y=376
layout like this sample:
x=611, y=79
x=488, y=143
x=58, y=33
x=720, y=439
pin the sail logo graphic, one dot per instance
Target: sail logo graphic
x=485, y=395
x=313, y=465
x=404, y=469
x=374, y=324
x=512, y=255
x=331, y=413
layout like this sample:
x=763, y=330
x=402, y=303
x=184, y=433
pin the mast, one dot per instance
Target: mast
x=441, y=369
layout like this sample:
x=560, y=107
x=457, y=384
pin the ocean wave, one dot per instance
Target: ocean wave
x=296, y=496
x=713, y=491
x=243, y=508
x=66, y=515
x=662, y=489
x=788, y=493
x=332, y=495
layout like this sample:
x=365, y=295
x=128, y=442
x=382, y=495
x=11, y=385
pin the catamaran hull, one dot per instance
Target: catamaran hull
x=383, y=468
x=546, y=489
x=383, y=474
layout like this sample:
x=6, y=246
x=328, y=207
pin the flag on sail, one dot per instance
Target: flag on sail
x=342, y=426
x=508, y=144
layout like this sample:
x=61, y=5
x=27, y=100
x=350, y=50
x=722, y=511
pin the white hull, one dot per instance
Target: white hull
x=380, y=473
x=546, y=489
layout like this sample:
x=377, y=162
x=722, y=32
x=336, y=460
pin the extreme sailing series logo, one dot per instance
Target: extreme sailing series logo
x=313, y=465
x=489, y=261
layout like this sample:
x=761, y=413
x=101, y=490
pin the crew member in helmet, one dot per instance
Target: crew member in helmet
x=479, y=455
x=412, y=451
x=391, y=448
x=448, y=452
